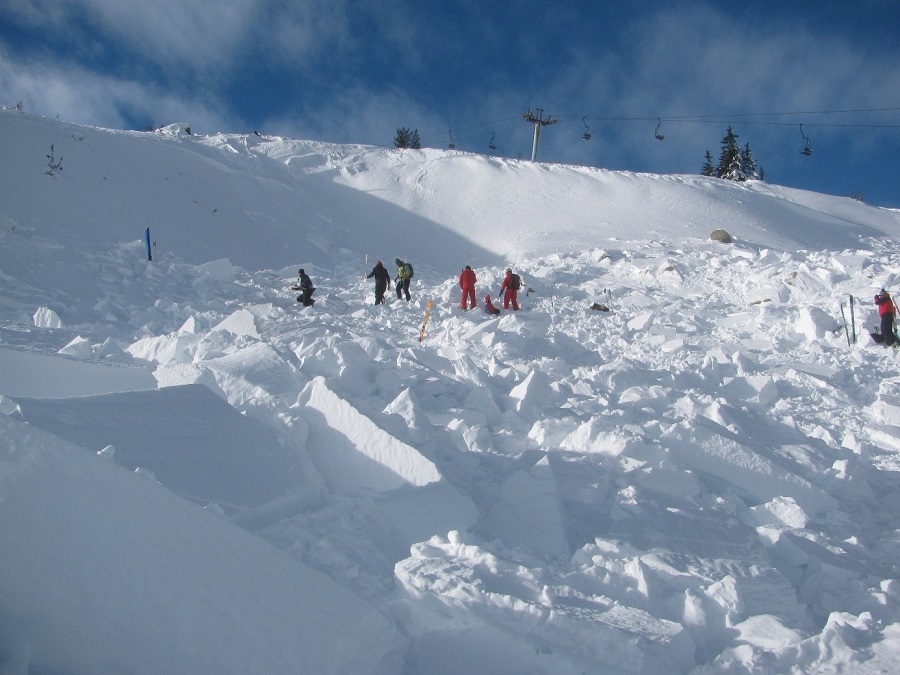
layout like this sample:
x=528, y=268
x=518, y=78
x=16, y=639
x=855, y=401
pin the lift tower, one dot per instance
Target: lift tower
x=538, y=121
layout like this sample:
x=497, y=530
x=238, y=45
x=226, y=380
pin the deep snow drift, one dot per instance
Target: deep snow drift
x=199, y=475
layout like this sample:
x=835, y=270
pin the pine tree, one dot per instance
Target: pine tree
x=730, y=160
x=401, y=140
x=414, y=141
x=748, y=164
x=708, y=168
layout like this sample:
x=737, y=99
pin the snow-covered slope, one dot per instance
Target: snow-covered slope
x=199, y=475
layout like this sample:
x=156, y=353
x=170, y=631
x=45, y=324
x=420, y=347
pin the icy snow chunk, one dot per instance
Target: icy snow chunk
x=667, y=479
x=176, y=374
x=146, y=473
x=529, y=512
x=672, y=345
x=532, y=394
x=701, y=445
x=189, y=326
x=241, y=322
x=815, y=324
x=406, y=406
x=178, y=348
x=78, y=346
x=219, y=271
x=780, y=512
x=45, y=317
x=351, y=452
x=767, y=631
x=108, y=453
x=759, y=388
x=887, y=408
x=641, y=321
x=193, y=442
x=472, y=583
x=8, y=406
x=165, y=551
x=597, y=436
x=44, y=375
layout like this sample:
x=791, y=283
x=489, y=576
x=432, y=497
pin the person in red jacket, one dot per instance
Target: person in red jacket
x=467, y=284
x=489, y=306
x=886, y=312
x=509, y=289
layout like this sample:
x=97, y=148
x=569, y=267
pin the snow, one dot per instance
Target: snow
x=199, y=475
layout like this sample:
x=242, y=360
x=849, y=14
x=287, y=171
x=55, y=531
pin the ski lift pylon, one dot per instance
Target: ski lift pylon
x=656, y=133
x=807, y=149
x=492, y=145
x=452, y=144
x=586, y=136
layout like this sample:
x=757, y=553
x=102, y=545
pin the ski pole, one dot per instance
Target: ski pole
x=853, y=319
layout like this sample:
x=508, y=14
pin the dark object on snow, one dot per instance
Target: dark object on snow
x=886, y=311
x=401, y=281
x=720, y=235
x=304, y=285
x=489, y=306
x=880, y=339
x=600, y=308
x=382, y=279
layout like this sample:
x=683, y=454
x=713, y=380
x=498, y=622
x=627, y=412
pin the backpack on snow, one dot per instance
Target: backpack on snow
x=515, y=282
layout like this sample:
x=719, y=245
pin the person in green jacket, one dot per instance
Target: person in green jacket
x=401, y=281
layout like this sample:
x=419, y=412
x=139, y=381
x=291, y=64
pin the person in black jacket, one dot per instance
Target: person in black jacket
x=382, y=280
x=306, y=289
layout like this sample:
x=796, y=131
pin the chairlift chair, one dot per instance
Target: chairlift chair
x=586, y=136
x=452, y=144
x=656, y=133
x=492, y=145
x=807, y=149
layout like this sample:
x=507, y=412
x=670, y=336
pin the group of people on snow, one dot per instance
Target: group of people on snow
x=509, y=287
x=509, y=290
x=383, y=280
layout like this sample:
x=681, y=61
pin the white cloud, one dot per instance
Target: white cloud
x=83, y=97
x=201, y=33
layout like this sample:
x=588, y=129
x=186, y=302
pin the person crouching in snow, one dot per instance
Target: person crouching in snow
x=489, y=306
x=306, y=288
x=886, y=312
x=509, y=289
x=467, y=284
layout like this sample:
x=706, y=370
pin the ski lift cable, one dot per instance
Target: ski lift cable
x=461, y=133
x=720, y=116
x=460, y=130
x=711, y=118
x=726, y=120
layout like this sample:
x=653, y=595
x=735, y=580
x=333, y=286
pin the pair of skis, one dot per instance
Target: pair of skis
x=852, y=321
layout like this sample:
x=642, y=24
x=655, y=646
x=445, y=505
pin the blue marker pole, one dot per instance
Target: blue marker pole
x=149, y=250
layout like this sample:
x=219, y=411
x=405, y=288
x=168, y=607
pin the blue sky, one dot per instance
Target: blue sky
x=354, y=71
